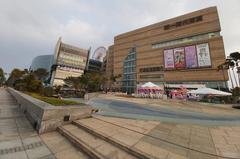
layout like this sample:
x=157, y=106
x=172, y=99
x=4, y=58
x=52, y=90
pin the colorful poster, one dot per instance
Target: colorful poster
x=191, y=57
x=203, y=55
x=168, y=59
x=179, y=58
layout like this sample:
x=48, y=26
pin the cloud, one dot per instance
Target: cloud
x=30, y=28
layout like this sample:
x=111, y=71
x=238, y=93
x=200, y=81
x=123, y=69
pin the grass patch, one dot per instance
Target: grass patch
x=52, y=100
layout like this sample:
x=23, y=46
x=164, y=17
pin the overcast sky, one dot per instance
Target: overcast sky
x=31, y=27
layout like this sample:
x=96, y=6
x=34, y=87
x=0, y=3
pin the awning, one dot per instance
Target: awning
x=209, y=91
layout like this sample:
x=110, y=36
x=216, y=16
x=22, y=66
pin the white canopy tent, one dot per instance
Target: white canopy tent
x=209, y=91
x=149, y=84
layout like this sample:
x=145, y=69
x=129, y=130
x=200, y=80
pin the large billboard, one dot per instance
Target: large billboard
x=191, y=57
x=168, y=58
x=194, y=56
x=203, y=55
x=179, y=58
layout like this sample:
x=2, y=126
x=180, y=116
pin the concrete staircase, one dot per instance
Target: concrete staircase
x=97, y=145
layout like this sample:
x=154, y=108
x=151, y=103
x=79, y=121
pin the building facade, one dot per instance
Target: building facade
x=94, y=65
x=69, y=61
x=185, y=50
x=108, y=67
x=42, y=61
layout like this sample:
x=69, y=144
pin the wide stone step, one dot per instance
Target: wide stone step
x=111, y=140
x=93, y=146
x=130, y=137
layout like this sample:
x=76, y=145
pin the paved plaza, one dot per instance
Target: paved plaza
x=155, y=139
x=169, y=110
x=209, y=108
x=164, y=140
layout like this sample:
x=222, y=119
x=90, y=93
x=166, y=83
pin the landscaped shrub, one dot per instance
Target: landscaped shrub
x=47, y=91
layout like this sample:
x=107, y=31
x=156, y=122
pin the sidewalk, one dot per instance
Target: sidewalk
x=18, y=140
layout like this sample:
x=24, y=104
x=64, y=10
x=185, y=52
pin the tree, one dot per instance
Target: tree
x=235, y=56
x=90, y=81
x=25, y=81
x=32, y=83
x=41, y=74
x=73, y=82
x=114, y=78
x=235, y=94
x=231, y=62
x=2, y=77
x=15, y=75
x=57, y=89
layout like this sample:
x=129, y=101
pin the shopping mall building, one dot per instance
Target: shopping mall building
x=185, y=50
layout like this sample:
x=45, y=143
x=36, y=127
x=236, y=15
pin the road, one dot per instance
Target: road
x=116, y=108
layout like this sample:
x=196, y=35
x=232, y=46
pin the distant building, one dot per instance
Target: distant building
x=94, y=65
x=95, y=62
x=183, y=51
x=42, y=61
x=69, y=61
x=108, y=68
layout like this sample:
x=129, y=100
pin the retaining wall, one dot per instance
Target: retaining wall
x=45, y=117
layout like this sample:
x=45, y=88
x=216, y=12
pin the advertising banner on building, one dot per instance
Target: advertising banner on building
x=179, y=58
x=203, y=55
x=168, y=59
x=191, y=57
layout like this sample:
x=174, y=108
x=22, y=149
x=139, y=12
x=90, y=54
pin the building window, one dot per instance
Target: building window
x=186, y=40
x=152, y=69
x=153, y=76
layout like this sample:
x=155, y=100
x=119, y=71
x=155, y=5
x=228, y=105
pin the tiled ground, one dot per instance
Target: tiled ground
x=61, y=147
x=165, y=140
x=18, y=140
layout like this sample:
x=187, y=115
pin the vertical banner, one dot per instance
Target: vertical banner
x=168, y=59
x=191, y=57
x=203, y=55
x=179, y=58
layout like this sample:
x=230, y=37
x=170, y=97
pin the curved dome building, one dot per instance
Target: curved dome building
x=42, y=61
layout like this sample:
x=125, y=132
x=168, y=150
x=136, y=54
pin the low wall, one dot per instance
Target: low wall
x=89, y=96
x=45, y=117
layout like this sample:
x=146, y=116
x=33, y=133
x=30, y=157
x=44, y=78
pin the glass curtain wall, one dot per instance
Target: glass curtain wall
x=129, y=72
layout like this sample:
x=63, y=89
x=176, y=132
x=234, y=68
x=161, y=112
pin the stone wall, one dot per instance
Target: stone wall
x=45, y=117
x=89, y=96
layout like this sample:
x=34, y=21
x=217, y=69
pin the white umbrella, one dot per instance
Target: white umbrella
x=209, y=91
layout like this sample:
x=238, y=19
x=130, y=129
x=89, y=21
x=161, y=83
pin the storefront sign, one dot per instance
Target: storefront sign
x=183, y=23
